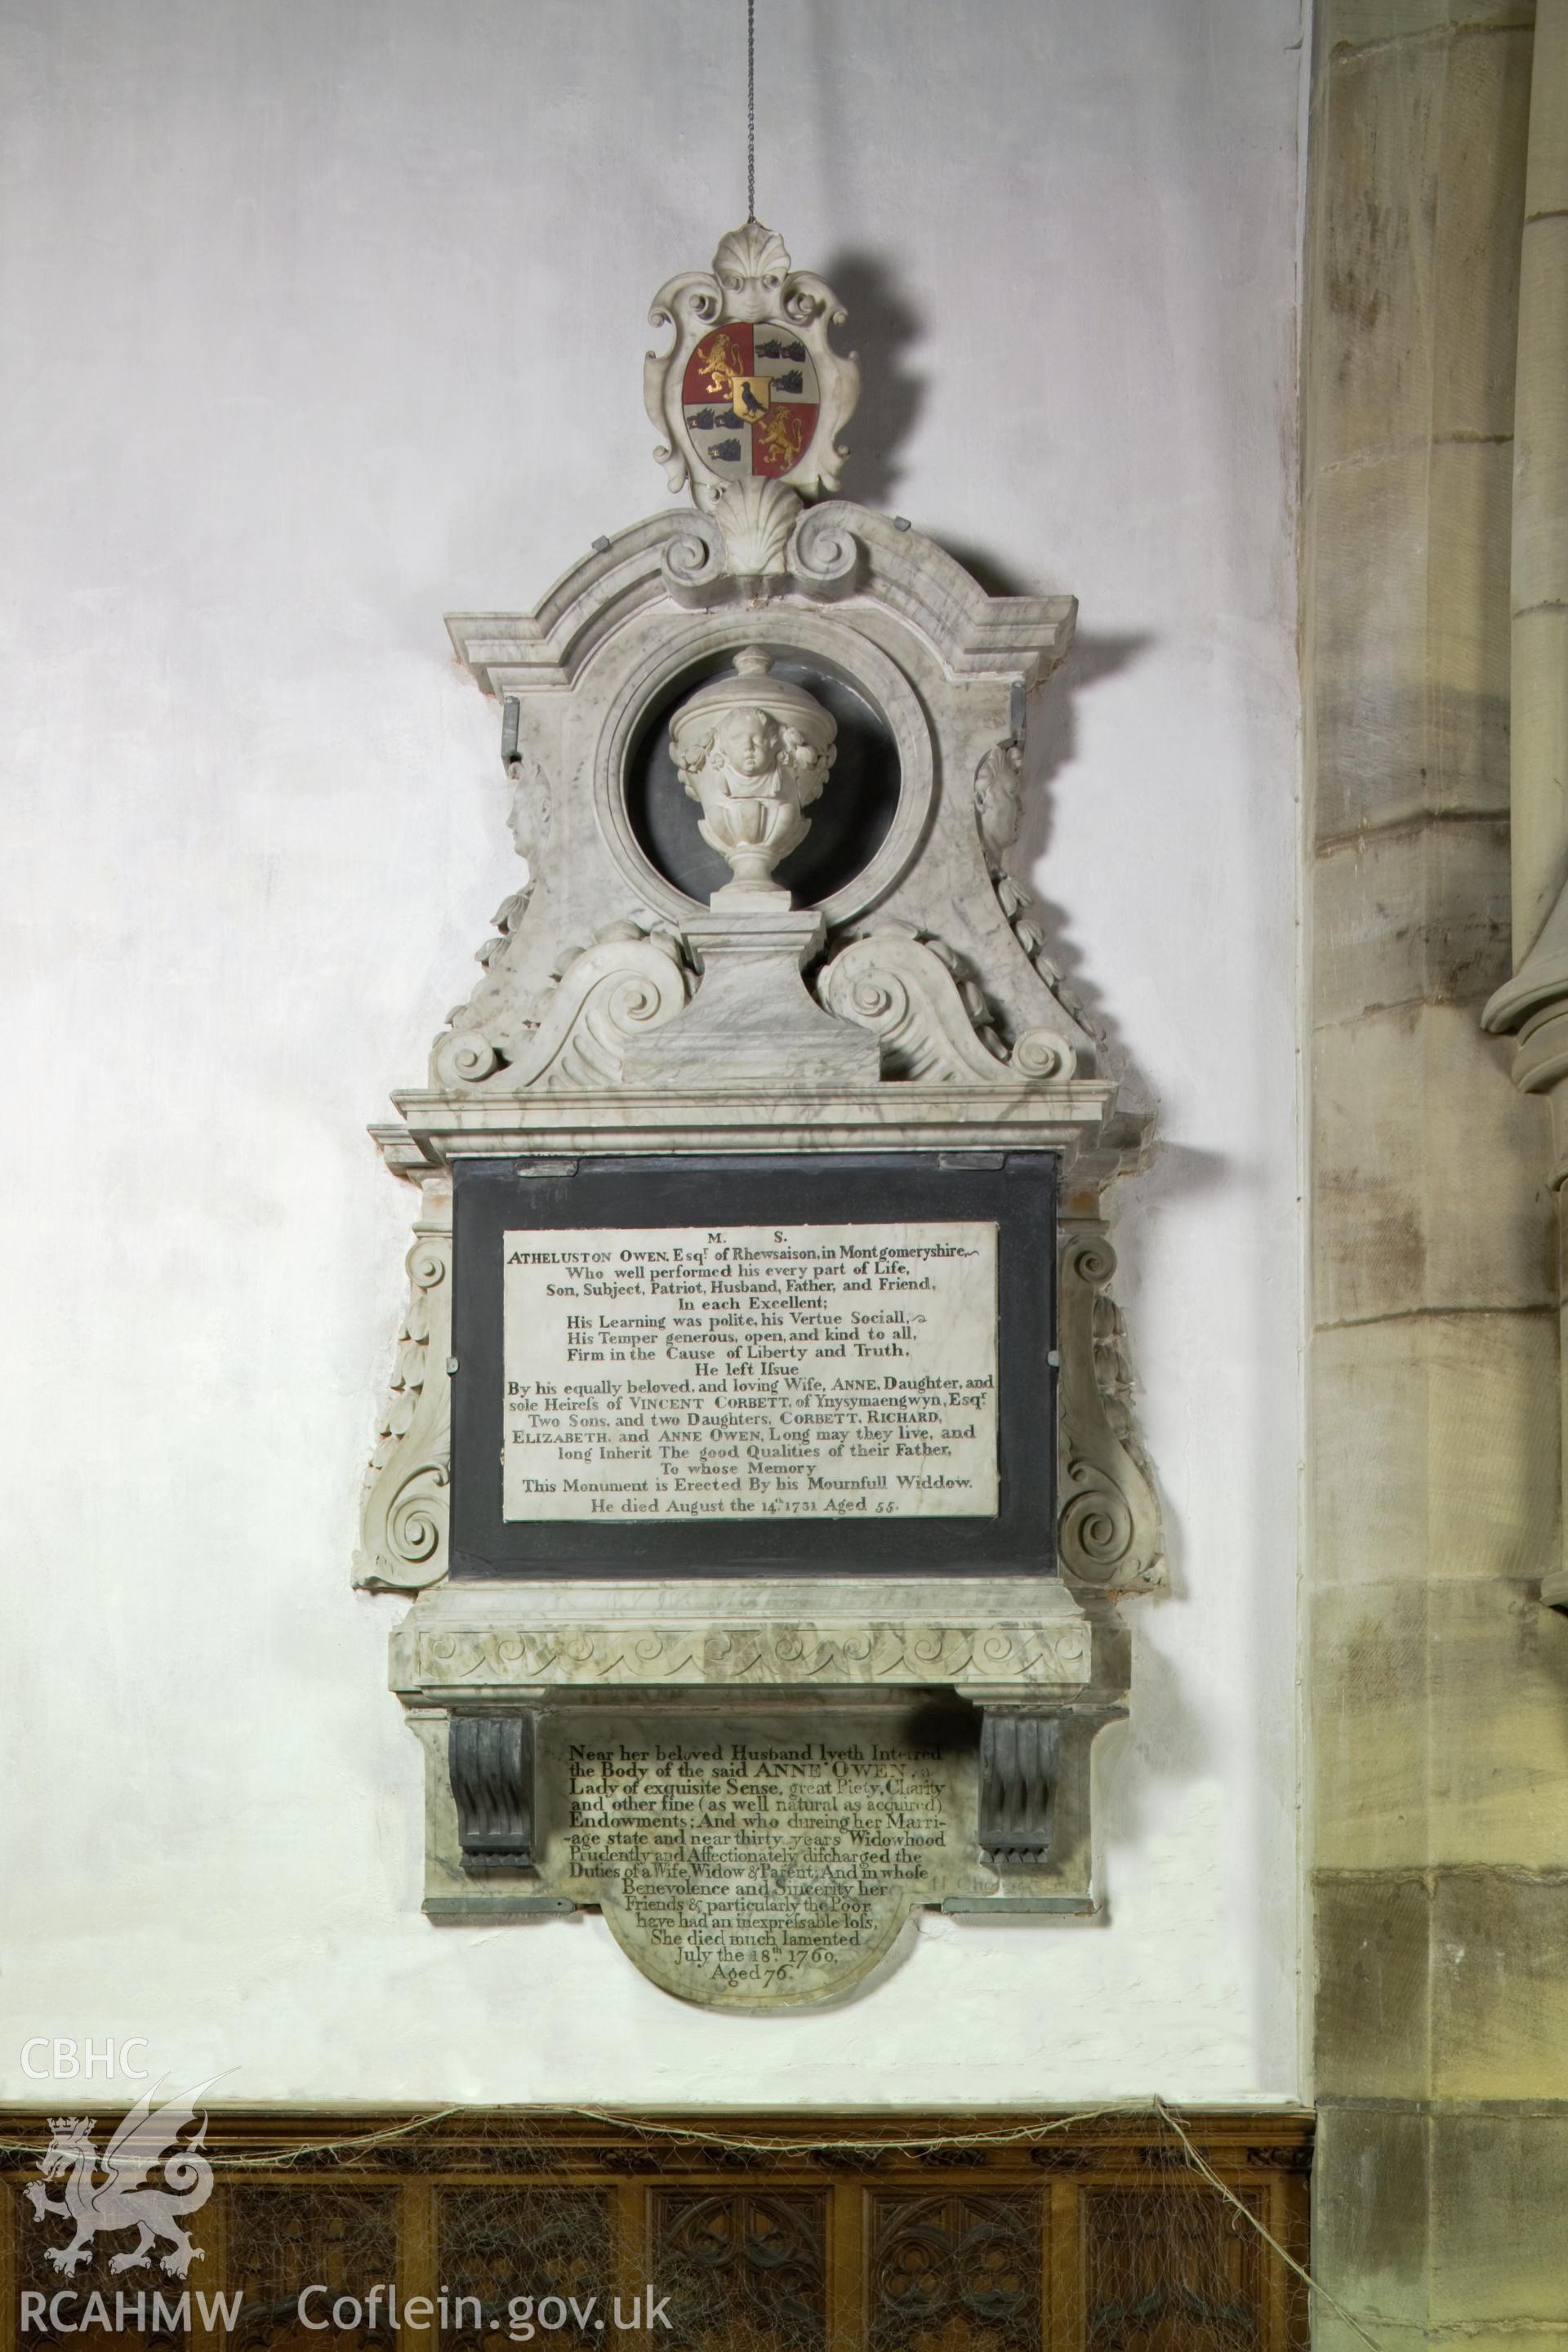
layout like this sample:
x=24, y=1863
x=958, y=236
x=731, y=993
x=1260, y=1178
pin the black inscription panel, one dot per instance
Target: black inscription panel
x=714, y=1364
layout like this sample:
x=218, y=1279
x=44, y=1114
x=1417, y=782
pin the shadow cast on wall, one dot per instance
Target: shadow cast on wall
x=882, y=326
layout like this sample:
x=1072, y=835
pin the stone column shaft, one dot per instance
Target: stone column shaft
x=1539, y=777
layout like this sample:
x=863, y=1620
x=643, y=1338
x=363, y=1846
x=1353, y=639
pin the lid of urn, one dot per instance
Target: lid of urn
x=751, y=686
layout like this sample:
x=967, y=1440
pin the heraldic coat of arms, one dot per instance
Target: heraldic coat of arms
x=752, y=396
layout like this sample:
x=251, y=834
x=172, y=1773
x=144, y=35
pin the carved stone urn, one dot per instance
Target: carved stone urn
x=753, y=750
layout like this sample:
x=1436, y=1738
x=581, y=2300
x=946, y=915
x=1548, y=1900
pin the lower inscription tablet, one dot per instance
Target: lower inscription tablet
x=751, y=1371
x=751, y=1861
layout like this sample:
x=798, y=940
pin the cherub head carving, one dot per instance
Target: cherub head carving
x=753, y=750
x=999, y=797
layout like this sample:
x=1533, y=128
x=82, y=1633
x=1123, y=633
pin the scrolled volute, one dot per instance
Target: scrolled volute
x=931, y=1016
x=825, y=557
x=1109, y=1533
x=694, y=564
x=404, y=1511
x=602, y=997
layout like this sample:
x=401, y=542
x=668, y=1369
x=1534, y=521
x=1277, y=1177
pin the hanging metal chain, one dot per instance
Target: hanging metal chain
x=751, y=110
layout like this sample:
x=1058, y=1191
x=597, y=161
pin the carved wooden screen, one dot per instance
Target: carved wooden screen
x=751, y=2234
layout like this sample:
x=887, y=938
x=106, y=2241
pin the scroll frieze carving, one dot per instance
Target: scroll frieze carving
x=404, y=1516
x=930, y=1015
x=1108, y=1532
x=876, y=1653
x=601, y=998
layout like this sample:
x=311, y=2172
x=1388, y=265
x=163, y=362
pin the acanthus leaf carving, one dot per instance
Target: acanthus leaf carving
x=475, y=1047
x=404, y=1512
x=930, y=1015
x=1108, y=1532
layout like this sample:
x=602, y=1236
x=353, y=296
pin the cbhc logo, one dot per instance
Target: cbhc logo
x=68, y=2058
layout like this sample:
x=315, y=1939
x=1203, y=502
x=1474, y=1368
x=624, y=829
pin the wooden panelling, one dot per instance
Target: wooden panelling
x=700, y=2234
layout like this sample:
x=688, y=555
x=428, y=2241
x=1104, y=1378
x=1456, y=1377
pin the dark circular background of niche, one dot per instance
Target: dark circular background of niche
x=848, y=824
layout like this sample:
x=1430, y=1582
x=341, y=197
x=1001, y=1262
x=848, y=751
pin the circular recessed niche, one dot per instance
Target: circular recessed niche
x=850, y=823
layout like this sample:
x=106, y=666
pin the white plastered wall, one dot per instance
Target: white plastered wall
x=321, y=320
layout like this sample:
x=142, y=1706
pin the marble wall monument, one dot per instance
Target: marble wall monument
x=758, y=1451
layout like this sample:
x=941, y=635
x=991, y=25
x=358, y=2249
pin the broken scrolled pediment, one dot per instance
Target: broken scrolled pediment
x=931, y=1016
x=574, y=1034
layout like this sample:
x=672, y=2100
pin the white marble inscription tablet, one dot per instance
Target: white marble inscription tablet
x=751, y=1371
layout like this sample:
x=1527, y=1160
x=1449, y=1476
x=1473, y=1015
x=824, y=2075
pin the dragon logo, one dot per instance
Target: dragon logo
x=124, y=2199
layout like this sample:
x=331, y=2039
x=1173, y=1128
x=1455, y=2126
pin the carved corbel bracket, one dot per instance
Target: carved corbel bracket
x=1020, y=1753
x=404, y=1516
x=1108, y=1532
x=1035, y=1797
x=490, y=1760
